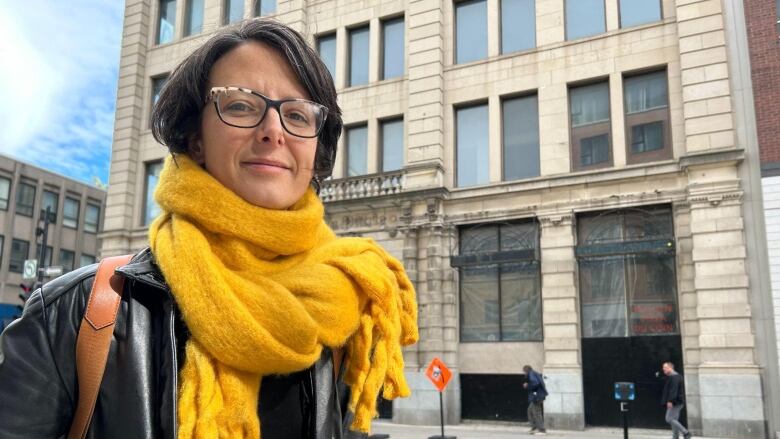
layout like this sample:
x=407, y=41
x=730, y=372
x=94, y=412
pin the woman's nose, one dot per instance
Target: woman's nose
x=271, y=129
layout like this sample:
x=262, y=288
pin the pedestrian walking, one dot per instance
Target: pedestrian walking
x=537, y=392
x=673, y=398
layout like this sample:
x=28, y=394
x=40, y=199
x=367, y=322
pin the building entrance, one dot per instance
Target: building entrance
x=628, y=299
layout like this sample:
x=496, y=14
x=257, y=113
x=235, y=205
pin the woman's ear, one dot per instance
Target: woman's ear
x=195, y=150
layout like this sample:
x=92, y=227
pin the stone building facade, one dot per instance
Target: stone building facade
x=569, y=191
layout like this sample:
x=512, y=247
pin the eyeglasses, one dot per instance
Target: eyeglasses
x=244, y=108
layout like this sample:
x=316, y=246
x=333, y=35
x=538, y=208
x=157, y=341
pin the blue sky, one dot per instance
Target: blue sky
x=58, y=77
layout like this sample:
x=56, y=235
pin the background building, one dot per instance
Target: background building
x=566, y=181
x=72, y=242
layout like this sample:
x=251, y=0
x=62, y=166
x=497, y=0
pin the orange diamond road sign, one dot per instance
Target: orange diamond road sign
x=438, y=373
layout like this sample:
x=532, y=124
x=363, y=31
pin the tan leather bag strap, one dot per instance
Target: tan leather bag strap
x=338, y=357
x=94, y=340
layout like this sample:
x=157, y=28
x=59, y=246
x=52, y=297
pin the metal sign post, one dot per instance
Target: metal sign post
x=440, y=376
x=625, y=392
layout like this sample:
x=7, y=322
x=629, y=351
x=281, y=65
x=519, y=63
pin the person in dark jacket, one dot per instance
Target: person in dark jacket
x=537, y=392
x=229, y=322
x=673, y=398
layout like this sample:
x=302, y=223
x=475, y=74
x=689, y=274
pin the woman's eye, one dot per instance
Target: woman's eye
x=297, y=117
x=239, y=106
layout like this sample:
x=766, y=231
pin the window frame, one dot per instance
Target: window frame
x=47, y=261
x=81, y=259
x=318, y=44
x=350, y=30
x=382, y=46
x=620, y=15
x=11, y=259
x=226, y=12
x=455, y=31
x=566, y=22
x=19, y=187
x=7, y=199
x=576, y=134
x=65, y=218
x=501, y=50
x=72, y=261
x=346, y=148
x=503, y=101
x=381, y=152
x=188, y=9
x=52, y=215
x=257, y=9
x=145, y=202
x=154, y=80
x=464, y=106
x=97, y=224
x=157, y=38
x=660, y=114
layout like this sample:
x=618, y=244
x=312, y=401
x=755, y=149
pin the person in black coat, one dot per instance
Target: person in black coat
x=673, y=398
x=537, y=392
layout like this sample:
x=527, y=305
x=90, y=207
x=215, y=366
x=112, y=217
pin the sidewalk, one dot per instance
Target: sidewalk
x=492, y=431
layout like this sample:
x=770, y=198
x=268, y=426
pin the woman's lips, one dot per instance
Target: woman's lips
x=265, y=166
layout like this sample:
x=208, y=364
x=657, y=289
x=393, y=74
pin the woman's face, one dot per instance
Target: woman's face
x=264, y=165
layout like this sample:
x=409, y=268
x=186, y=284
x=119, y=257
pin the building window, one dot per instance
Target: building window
x=627, y=278
x=265, y=7
x=358, y=56
x=70, y=213
x=520, y=118
x=636, y=12
x=392, y=144
x=92, y=218
x=357, y=151
x=234, y=11
x=165, y=29
x=326, y=46
x=470, y=31
x=647, y=117
x=51, y=200
x=590, y=126
x=151, y=208
x=25, y=199
x=67, y=259
x=472, y=145
x=157, y=86
x=585, y=18
x=500, y=286
x=86, y=260
x=193, y=18
x=5, y=193
x=393, y=48
x=47, y=257
x=518, y=25
x=20, y=251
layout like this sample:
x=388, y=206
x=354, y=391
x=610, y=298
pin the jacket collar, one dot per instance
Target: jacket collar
x=143, y=268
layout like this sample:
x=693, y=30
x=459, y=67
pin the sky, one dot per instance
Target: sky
x=59, y=63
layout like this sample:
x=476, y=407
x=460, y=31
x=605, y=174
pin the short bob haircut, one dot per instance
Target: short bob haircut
x=176, y=115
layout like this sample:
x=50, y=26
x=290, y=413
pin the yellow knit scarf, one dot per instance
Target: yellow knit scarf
x=262, y=291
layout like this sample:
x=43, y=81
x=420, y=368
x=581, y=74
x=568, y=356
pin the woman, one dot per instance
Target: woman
x=229, y=320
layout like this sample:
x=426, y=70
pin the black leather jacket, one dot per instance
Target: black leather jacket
x=137, y=398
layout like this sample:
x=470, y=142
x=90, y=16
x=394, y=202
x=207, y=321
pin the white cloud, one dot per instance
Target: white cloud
x=58, y=82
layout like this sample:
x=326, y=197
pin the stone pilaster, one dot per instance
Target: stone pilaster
x=564, y=408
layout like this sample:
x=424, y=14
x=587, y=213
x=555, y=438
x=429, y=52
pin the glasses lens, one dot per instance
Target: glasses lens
x=240, y=109
x=302, y=118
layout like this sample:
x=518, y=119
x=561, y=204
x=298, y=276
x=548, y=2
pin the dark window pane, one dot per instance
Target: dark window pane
x=92, y=218
x=521, y=138
x=518, y=25
x=326, y=46
x=393, y=50
x=51, y=200
x=392, y=145
x=20, y=251
x=5, y=193
x=652, y=294
x=67, y=259
x=470, y=31
x=646, y=92
x=358, y=56
x=599, y=229
x=472, y=145
x=70, y=213
x=151, y=209
x=521, y=307
x=265, y=7
x=47, y=257
x=482, y=239
x=357, y=151
x=589, y=104
x=479, y=304
x=648, y=224
x=194, y=17
x=520, y=236
x=636, y=12
x=594, y=150
x=234, y=10
x=602, y=291
x=165, y=29
x=584, y=18
x=647, y=137
x=86, y=260
x=25, y=199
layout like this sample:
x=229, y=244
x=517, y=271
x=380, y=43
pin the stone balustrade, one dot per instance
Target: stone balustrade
x=362, y=186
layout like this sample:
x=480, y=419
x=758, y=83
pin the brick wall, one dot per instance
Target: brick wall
x=761, y=17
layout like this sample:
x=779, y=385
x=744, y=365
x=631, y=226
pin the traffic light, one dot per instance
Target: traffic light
x=24, y=296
